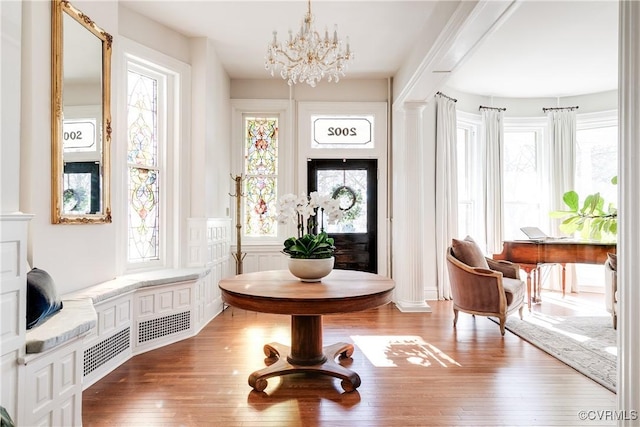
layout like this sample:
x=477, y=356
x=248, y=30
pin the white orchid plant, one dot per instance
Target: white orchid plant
x=308, y=213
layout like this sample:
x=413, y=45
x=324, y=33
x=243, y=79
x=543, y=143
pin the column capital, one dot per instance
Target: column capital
x=417, y=106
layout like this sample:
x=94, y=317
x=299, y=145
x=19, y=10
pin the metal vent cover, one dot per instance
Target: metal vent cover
x=100, y=353
x=163, y=326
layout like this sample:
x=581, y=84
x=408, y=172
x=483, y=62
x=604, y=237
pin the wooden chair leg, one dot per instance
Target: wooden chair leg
x=615, y=321
x=455, y=317
x=520, y=311
x=502, y=322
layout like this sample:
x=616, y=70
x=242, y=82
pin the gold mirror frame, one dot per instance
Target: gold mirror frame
x=58, y=216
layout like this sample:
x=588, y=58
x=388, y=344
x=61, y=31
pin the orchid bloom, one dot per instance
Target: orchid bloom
x=300, y=209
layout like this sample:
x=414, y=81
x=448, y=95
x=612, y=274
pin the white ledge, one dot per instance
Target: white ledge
x=74, y=319
x=131, y=282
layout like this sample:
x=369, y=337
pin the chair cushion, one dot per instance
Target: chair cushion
x=42, y=297
x=513, y=289
x=468, y=252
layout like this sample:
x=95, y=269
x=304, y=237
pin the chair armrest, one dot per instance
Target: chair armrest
x=507, y=268
x=485, y=271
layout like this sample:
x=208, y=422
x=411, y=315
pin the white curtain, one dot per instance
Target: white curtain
x=493, y=138
x=562, y=151
x=446, y=187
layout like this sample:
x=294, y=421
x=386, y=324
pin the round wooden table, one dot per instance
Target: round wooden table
x=279, y=292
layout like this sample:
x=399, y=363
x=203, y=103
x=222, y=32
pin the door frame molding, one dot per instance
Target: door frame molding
x=304, y=152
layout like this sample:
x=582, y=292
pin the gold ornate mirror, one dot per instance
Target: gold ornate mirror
x=80, y=117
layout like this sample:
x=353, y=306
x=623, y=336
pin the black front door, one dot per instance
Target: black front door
x=355, y=183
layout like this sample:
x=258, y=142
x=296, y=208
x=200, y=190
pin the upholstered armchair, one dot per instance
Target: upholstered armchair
x=483, y=286
x=611, y=287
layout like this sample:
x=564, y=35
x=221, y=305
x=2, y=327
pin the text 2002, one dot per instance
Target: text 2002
x=342, y=131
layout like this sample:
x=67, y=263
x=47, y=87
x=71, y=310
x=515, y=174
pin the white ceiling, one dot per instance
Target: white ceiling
x=546, y=49
x=543, y=48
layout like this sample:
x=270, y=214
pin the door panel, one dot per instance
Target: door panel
x=354, y=183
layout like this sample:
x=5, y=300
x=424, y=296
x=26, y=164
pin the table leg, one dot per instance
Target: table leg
x=306, y=355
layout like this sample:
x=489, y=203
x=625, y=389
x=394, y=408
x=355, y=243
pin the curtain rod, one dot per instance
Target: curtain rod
x=560, y=108
x=482, y=107
x=445, y=96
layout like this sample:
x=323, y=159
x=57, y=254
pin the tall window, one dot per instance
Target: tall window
x=469, y=182
x=596, y=164
x=261, y=175
x=597, y=161
x=144, y=167
x=466, y=193
x=154, y=134
x=262, y=145
x=523, y=189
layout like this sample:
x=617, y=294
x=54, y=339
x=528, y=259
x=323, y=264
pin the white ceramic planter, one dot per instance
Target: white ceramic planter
x=310, y=270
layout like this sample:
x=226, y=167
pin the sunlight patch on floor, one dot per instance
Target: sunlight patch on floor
x=552, y=323
x=395, y=350
x=574, y=302
x=262, y=335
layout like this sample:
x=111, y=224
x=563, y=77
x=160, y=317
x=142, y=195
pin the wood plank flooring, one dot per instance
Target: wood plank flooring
x=416, y=370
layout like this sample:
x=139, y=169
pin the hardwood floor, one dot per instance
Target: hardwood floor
x=416, y=370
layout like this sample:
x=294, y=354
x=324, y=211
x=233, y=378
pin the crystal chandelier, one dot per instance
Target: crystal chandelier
x=308, y=57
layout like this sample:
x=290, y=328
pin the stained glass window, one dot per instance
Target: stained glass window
x=143, y=177
x=261, y=171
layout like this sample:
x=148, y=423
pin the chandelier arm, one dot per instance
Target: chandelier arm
x=295, y=61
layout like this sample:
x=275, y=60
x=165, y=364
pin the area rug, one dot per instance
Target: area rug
x=586, y=343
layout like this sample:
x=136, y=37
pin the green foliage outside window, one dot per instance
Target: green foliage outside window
x=594, y=219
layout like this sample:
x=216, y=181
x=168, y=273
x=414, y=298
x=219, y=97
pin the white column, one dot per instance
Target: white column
x=408, y=216
x=629, y=214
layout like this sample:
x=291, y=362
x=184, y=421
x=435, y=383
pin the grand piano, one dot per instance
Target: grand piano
x=531, y=254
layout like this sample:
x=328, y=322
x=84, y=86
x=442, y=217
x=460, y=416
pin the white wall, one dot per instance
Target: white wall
x=532, y=107
x=10, y=46
x=347, y=90
x=211, y=118
x=149, y=33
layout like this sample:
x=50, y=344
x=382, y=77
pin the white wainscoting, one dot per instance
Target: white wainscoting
x=13, y=307
x=261, y=258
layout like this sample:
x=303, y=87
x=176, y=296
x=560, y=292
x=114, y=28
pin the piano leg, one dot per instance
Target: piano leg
x=538, y=285
x=564, y=277
x=527, y=269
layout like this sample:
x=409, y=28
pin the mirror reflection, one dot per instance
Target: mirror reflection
x=81, y=125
